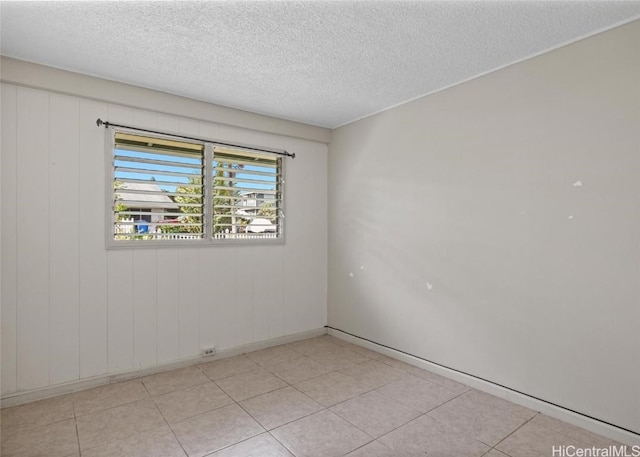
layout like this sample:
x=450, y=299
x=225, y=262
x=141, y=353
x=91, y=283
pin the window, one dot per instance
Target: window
x=247, y=194
x=167, y=191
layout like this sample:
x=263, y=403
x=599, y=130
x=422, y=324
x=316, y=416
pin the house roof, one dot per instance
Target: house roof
x=149, y=196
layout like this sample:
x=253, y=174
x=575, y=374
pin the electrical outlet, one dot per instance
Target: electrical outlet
x=208, y=352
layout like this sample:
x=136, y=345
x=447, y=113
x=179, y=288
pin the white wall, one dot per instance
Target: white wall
x=72, y=310
x=535, y=282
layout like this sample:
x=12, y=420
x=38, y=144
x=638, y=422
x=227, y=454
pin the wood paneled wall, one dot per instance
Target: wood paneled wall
x=72, y=309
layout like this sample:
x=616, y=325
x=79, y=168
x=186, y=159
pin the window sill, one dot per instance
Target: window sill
x=146, y=244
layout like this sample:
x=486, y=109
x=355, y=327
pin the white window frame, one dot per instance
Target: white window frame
x=208, y=239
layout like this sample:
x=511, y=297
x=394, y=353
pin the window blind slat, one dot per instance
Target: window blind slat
x=244, y=225
x=273, y=173
x=244, y=207
x=134, y=223
x=147, y=204
x=145, y=171
x=165, y=215
x=246, y=180
x=155, y=193
x=157, y=182
x=268, y=164
x=243, y=198
x=248, y=189
x=165, y=163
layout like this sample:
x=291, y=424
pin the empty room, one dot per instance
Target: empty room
x=320, y=228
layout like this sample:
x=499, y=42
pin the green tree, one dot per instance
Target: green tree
x=267, y=210
x=189, y=195
x=118, y=209
x=224, y=198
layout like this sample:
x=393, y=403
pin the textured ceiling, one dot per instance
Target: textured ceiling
x=317, y=62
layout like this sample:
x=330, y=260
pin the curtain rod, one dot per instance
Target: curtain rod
x=107, y=124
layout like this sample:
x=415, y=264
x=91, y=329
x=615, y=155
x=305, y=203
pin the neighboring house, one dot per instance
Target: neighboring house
x=252, y=202
x=260, y=225
x=149, y=201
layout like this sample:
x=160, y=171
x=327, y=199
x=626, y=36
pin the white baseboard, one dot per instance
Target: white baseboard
x=20, y=398
x=557, y=412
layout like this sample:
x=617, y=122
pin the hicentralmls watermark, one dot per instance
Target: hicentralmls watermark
x=607, y=451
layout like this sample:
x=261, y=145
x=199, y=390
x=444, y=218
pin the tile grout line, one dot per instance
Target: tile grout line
x=281, y=443
x=322, y=409
x=149, y=397
x=75, y=422
x=235, y=374
x=170, y=428
x=491, y=447
x=115, y=406
x=328, y=408
x=106, y=443
x=563, y=433
x=256, y=420
x=375, y=440
x=375, y=389
x=266, y=431
x=495, y=446
x=284, y=380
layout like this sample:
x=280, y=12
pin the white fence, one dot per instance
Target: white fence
x=176, y=236
x=244, y=236
x=126, y=228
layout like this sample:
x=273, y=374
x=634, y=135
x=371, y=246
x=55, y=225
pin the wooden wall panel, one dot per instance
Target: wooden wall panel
x=168, y=306
x=189, y=289
x=33, y=293
x=92, y=260
x=120, y=301
x=145, y=291
x=64, y=218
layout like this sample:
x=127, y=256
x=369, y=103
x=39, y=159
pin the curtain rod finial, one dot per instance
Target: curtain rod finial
x=99, y=122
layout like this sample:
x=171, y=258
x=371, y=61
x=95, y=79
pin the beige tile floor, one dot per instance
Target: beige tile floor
x=319, y=397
